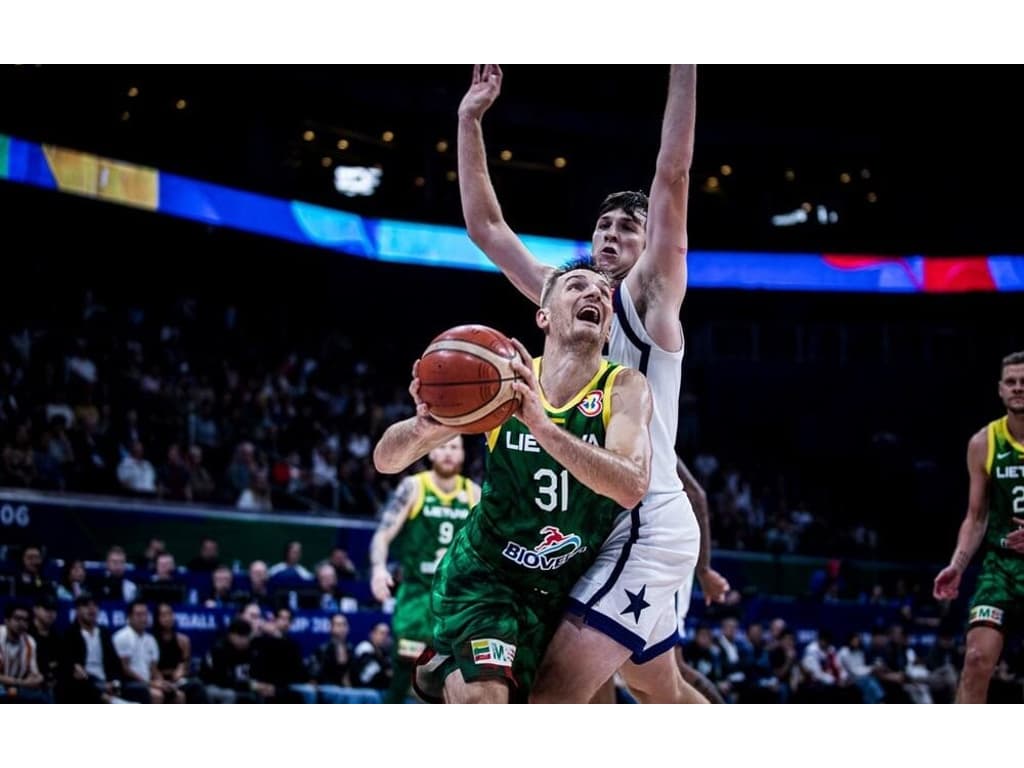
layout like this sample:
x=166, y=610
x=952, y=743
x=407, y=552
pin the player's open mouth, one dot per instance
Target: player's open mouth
x=589, y=314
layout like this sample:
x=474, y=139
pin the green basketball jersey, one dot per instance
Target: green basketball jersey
x=536, y=524
x=433, y=521
x=1005, y=466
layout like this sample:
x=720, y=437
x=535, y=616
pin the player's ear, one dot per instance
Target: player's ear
x=543, y=318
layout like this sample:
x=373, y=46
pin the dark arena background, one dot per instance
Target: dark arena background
x=216, y=280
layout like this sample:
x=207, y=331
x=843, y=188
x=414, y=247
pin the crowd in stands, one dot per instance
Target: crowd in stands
x=767, y=663
x=187, y=403
x=914, y=658
x=186, y=406
x=150, y=660
x=768, y=516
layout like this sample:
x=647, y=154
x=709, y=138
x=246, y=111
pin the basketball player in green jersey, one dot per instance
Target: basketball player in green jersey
x=422, y=518
x=560, y=473
x=995, y=514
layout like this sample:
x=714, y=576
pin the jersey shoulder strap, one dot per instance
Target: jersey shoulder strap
x=421, y=494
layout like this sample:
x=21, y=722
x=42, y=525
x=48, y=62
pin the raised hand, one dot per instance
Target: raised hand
x=482, y=93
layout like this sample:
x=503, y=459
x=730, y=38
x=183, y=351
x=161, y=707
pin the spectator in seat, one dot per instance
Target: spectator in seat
x=227, y=665
x=277, y=662
x=911, y=673
x=30, y=583
x=175, y=657
x=854, y=663
x=259, y=589
x=113, y=585
x=242, y=468
x=291, y=565
x=785, y=669
x=944, y=661
x=371, y=665
x=221, y=594
x=824, y=679
x=733, y=655
x=257, y=495
x=135, y=473
x=19, y=460
x=138, y=651
x=89, y=670
x=20, y=678
x=327, y=586
x=175, y=478
x=165, y=584
x=166, y=570
x=342, y=564
x=72, y=581
x=200, y=481
x=333, y=663
x=44, y=616
x=147, y=560
x=208, y=559
x=703, y=655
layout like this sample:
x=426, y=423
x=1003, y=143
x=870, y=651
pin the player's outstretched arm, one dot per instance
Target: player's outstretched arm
x=662, y=266
x=408, y=441
x=972, y=529
x=396, y=512
x=485, y=223
x=622, y=469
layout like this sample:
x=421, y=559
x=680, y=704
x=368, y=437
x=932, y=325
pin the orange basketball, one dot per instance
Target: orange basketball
x=466, y=378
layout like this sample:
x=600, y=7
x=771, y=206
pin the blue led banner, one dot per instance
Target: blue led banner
x=406, y=242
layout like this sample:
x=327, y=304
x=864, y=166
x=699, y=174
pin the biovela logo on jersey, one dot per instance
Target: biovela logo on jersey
x=592, y=404
x=554, y=550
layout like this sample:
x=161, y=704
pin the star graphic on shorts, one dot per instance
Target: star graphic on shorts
x=636, y=603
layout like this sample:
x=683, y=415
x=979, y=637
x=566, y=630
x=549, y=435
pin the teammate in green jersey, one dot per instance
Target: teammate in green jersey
x=995, y=514
x=559, y=474
x=421, y=519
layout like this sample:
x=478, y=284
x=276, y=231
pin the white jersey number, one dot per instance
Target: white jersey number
x=445, y=531
x=552, y=487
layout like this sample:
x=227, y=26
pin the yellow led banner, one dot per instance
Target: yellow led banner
x=85, y=174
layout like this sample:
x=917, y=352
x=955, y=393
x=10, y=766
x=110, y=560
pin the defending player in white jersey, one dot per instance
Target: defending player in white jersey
x=623, y=610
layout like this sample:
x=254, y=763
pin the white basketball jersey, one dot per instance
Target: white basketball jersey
x=631, y=345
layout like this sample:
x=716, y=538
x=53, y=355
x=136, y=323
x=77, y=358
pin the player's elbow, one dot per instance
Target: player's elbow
x=384, y=463
x=673, y=169
x=698, y=497
x=483, y=232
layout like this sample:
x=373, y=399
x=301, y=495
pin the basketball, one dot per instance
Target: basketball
x=466, y=378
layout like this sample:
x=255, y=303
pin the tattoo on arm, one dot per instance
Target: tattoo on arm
x=398, y=502
x=393, y=510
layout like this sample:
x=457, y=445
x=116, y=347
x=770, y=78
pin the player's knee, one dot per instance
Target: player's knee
x=482, y=694
x=479, y=692
x=979, y=662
